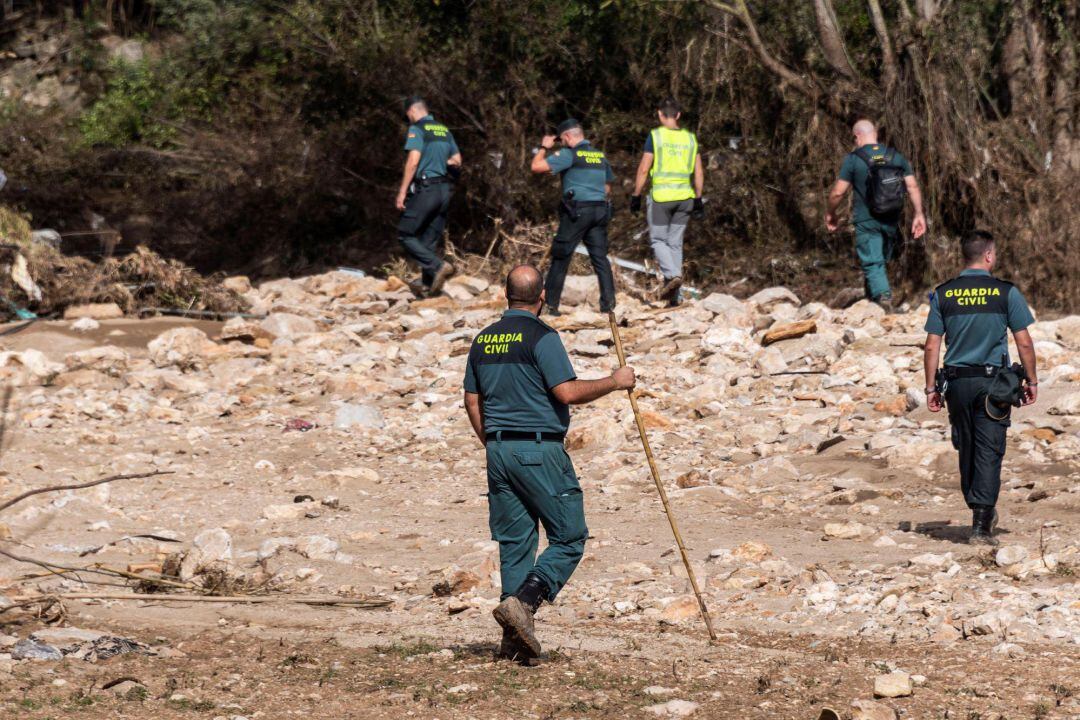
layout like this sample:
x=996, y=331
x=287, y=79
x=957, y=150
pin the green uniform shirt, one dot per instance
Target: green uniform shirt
x=974, y=312
x=436, y=145
x=584, y=169
x=855, y=171
x=513, y=365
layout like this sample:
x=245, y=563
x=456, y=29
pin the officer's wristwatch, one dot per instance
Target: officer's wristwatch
x=931, y=391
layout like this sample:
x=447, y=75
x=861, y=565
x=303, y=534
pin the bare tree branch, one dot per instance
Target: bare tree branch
x=740, y=11
x=888, y=55
x=832, y=41
x=92, y=483
x=927, y=9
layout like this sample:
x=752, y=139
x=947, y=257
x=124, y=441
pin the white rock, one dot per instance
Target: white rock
x=288, y=325
x=350, y=415
x=895, y=684
x=85, y=324
x=290, y=511
x=764, y=300
x=1010, y=555
x=658, y=690
x=1066, y=405
x=184, y=347
x=673, y=708
x=870, y=710
x=847, y=531
x=209, y=548
x=1008, y=649
x=317, y=547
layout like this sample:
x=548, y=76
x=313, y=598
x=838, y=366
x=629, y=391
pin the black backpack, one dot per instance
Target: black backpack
x=885, y=186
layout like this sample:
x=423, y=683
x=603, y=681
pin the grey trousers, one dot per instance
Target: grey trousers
x=667, y=225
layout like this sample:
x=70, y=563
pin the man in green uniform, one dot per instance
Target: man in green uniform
x=583, y=213
x=519, y=385
x=432, y=163
x=974, y=312
x=877, y=236
x=671, y=161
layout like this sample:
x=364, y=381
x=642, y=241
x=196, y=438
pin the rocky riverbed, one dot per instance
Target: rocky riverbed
x=324, y=449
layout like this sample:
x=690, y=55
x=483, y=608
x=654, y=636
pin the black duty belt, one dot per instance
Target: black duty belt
x=953, y=372
x=590, y=203
x=437, y=180
x=500, y=435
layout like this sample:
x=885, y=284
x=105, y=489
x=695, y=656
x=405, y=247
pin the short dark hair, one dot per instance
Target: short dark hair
x=523, y=285
x=670, y=107
x=567, y=125
x=413, y=100
x=975, y=243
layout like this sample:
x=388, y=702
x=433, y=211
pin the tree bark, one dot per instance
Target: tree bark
x=832, y=42
x=1036, y=48
x=1015, y=65
x=889, y=64
x=1066, y=147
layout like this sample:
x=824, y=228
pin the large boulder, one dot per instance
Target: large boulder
x=108, y=359
x=765, y=300
x=29, y=367
x=581, y=290
x=184, y=347
x=1066, y=405
x=288, y=326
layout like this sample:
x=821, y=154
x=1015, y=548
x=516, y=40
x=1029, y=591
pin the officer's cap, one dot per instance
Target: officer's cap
x=567, y=125
x=413, y=100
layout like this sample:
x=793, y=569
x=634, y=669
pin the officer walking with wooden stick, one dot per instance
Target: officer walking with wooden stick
x=519, y=385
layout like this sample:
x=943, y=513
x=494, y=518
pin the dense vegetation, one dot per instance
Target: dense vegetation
x=265, y=135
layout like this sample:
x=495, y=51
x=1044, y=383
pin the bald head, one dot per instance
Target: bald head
x=865, y=132
x=524, y=287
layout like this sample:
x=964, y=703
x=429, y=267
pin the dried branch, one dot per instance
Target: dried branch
x=363, y=603
x=101, y=481
x=741, y=11
x=832, y=41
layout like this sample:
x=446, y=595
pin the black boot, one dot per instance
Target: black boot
x=532, y=592
x=983, y=521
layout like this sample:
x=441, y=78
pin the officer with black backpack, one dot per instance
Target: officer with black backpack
x=881, y=177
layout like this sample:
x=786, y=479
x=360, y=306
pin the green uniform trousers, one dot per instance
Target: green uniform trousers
x=979, y=439
x=875, y=244
x=532, y=482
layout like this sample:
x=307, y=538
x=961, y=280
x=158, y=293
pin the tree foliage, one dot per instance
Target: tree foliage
x=266, y=134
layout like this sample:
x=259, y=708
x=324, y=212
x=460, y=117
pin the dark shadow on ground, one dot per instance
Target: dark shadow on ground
x=942, y=530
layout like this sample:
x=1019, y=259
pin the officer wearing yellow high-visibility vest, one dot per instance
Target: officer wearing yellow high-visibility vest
x=673, y=166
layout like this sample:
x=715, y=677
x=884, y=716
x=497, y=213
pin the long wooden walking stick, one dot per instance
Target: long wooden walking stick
x=659, y=485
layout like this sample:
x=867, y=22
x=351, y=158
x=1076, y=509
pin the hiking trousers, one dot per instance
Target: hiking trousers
x=667, y=225
x=421, y=226
x=875, y=244
x=978, y=438
x=589, y=224
x=533, y=483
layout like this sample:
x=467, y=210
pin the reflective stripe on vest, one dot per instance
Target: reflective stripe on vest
x=674, y=157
